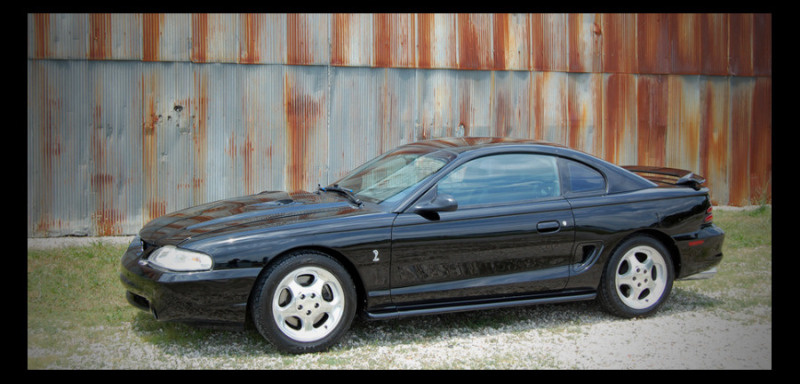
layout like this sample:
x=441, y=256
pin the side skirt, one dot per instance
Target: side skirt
x=461, y=307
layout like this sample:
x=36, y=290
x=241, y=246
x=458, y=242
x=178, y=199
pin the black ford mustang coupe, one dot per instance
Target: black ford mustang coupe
x=430, y=227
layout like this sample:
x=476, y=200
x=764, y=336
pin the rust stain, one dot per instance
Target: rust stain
x=299, y=49
x=247, y=157
x=199, y=38
x=381, y=39
x=252, y=26
x=619, y=43
x=302, y=112
x=685, y=44
x=501, y=40
x=425, y=45
x=151, y=36
x=585, y=43
x=99, y=36
x=714, y=44
x=149, y=146
x=473, y=41
x=714, y=136
x=651, y=112
x=340, y=35
x=741, y=134
x=549, y=39
x=618, y=103
x=41, y=23
x=200, y=135
x=653, y=43
x=761, y=142
x=762, y=44
x=741, y=44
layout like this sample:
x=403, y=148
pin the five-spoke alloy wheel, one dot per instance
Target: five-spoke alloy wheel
x=304, y=302
x=637, y=279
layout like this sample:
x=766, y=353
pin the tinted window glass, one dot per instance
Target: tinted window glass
x=584, y=179
x=502, y=179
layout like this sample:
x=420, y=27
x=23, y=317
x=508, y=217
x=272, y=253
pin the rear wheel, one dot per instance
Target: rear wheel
x=637, y=279
x=304, y=303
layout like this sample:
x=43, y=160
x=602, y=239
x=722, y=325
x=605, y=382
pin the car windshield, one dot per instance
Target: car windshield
x=388, y=178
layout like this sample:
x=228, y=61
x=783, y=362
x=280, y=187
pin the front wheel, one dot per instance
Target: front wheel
x=304, y=303
x=637, y=279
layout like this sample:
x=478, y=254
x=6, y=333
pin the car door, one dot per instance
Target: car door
x=510, y=235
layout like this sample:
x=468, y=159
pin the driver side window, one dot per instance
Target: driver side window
x=502, y=179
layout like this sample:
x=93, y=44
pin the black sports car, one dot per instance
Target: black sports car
x=429, y=227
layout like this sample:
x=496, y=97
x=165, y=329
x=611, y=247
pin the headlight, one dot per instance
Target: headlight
x=180, y=260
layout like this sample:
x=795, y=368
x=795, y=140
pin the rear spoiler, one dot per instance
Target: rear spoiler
x=670, y=176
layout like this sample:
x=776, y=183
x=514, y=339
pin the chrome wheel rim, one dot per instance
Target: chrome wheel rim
x=641, y=277
x=308, y=304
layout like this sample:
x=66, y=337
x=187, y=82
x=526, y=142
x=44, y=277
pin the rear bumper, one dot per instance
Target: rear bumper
x=700, y=253
x=212, y=297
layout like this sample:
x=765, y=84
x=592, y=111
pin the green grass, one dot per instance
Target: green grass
x=76, y=301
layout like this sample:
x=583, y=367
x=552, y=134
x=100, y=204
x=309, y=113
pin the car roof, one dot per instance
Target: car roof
x=461, y=144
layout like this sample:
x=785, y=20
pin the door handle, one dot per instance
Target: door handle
x=548, y=226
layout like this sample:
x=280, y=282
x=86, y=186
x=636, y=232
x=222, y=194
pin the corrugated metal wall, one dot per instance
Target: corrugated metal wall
x=131, y=116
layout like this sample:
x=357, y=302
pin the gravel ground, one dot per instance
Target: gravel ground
x=564, y=336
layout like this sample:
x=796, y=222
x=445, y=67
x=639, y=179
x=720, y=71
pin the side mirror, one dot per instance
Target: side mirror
x=440, y=203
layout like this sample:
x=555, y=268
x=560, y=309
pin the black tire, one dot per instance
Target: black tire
x=637, y=279
x=304, y=302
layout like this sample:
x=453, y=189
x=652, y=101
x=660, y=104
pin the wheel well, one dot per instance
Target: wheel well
x=328, y=251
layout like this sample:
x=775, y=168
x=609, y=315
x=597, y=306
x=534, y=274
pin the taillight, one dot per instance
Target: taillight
x=709, y=216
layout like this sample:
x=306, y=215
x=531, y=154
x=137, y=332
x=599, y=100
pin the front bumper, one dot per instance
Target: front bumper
x=212, y=297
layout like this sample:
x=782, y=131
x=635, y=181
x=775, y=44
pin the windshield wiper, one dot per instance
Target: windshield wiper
x=347, y=192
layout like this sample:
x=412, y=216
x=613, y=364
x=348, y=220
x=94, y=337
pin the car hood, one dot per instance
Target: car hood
x=263, y=210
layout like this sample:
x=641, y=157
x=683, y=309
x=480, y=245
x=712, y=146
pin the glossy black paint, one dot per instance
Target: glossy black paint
x=422, y=255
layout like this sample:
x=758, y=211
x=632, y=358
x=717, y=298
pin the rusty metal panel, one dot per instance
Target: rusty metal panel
x=714, y=43
x=511, y=101
x=437, y=105
x=619, y=118
x=114, y=110
x=398, y=112
x=511, y=41
x=762, y=44
x=685, y=43
x=474, y=33
x=619, y=43
x=59, y=36
x=585, y=42
x=473, y=106
x=550, y=106
x=741, y=135
x=761, y=142
x=741, y=44
x=354, y=117
x=437, y=46
x=215, y=38
x=549, y=42
x=262, y=38
x=352, y=39
x=394, y=40
x=683, y=122
x=306, y=108
x=57, y=148
x=307, y=39
x=653, y=43
x=585, y=108
x=652, y=100
x=166, y=37
x=714, y=135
